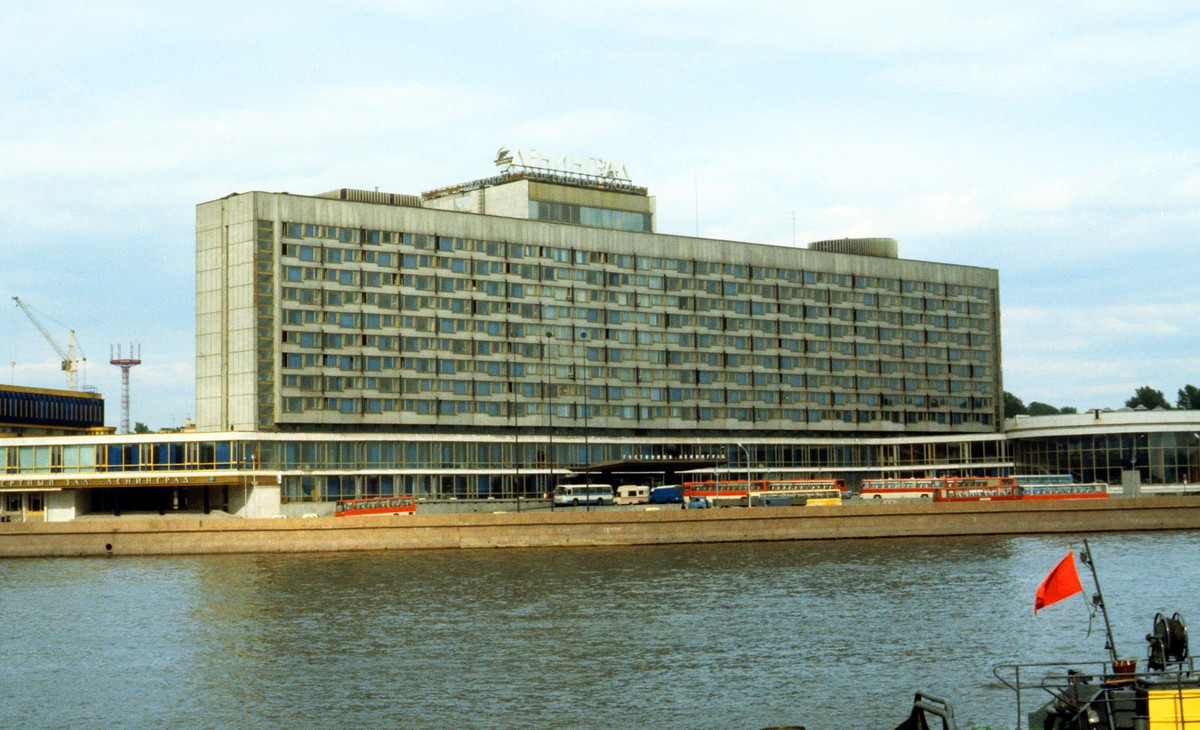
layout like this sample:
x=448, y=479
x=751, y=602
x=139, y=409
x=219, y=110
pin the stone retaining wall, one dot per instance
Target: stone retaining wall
x=181, y=536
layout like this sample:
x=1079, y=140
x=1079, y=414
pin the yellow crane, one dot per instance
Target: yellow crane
x=70, y=360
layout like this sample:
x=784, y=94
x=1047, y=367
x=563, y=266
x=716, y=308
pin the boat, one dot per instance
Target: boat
x=1109, y=694
x=1115, y=693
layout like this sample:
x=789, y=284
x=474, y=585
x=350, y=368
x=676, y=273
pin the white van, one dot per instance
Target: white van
x=577, y=494
x=633, y=494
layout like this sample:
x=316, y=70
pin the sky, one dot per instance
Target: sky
x=1058, y=143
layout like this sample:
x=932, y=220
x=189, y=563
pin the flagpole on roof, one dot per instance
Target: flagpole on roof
x=1098, y=600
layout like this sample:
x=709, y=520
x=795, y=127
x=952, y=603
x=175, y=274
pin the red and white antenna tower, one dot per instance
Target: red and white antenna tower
x=125, y=363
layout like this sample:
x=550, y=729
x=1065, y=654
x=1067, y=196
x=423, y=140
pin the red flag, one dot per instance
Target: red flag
x=1062, y=582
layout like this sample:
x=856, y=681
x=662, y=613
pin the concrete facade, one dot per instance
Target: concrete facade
x=511, y=196
x=319, y=313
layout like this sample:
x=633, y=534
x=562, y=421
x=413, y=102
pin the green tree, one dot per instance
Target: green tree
x=1068, y=409
x=140, y=427
x=1042, y=409
x=1189, y=398
x=1014, y=406
x=1147, y=397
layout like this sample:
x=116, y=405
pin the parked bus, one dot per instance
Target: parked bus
x=1041, y=480
x=1092, y=490
x=815, y=497
x=900, y=488
x=978, y=493
x=573, y=495
x=978, y=489
x=820, y=497
x=723, y=488
x=402, y=505
x=1058, y=486
x=980, y=482
x=802, y=486
x=768, y=491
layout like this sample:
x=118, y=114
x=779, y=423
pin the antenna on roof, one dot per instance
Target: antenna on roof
x=696, y=197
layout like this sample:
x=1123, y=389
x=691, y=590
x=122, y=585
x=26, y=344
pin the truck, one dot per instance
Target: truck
x=667, y=494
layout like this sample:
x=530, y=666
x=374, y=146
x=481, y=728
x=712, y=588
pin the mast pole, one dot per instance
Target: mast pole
x=1098, y=600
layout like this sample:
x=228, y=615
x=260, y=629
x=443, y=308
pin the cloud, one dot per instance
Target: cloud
x=1054, y=142
x=69, y=177
x=1104, y=326
x=1096, y=356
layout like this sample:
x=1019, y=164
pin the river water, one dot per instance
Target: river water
x=822, y=634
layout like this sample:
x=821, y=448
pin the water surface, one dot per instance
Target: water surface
x=824, y=634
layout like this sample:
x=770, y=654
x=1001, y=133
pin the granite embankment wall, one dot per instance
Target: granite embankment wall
x=180, y=536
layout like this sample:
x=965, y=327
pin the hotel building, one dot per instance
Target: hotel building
x=541, y=305
x=533, y=301
x=489, y=339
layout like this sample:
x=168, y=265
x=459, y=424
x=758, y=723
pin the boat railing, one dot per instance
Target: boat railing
x=926, y=706
x=1064, y=681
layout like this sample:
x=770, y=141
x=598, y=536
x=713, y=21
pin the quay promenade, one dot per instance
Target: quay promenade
x=137, y=535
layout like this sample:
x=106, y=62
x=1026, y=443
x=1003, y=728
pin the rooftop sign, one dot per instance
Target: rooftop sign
x=589, y=168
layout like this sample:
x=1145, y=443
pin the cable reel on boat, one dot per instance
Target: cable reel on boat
x=1168, y=642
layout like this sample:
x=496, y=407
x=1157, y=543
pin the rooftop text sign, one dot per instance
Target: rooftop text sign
x=536, y=160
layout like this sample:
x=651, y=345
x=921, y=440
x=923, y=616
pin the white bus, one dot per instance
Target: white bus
x=577, y=494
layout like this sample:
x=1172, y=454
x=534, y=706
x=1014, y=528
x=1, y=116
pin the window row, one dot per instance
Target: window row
x=353, y=455
x=622, y=220
x=323, y=236
x=583, y=412
x=634, y=289
x=46, y=409
x=959, y=365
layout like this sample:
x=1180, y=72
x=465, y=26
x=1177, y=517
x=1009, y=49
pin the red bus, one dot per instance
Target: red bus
x=723, y=488
x=402, y=505
x=978, y=489
x=728, y=490
x=900, y=488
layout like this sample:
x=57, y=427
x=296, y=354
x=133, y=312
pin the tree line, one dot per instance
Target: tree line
x=1146, y=397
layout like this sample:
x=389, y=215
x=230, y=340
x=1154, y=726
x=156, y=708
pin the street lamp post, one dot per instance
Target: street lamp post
x=587, y=455
x=746, y=452
x=246, y=489
x=549, y=417
x=512, y=406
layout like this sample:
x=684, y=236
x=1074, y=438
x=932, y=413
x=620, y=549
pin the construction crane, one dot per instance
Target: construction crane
x=70, y=362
